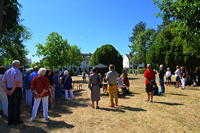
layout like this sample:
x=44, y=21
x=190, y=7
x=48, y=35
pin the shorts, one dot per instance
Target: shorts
x=149, y=88
x=178, y=79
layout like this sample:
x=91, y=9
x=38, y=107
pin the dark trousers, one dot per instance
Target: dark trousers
x=14, y=102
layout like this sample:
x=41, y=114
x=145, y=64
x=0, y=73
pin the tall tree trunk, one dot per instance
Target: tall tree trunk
x=1, y=14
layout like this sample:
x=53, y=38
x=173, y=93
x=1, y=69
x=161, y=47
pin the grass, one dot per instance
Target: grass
x=176, y=111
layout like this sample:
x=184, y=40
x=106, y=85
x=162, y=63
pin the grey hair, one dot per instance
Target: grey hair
x=42, y=71
x=66, y=72
x=15, y=62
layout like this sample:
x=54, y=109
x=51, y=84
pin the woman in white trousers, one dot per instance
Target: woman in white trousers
x=40, y=88
x=67, y=85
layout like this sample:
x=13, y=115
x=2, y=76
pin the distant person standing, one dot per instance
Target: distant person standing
x=49, y=75
x=58, y=89
x=84, y=76
x=67, y=85
x=13, y=83
x=168, y=76
x=177, y=76
x=161, y=75
x=3, y=95
x=28, y=101
x=93, y=85
x=31, y=77
x=196, y=76
x=183, y=77
x=112, y=85
x=149, y=75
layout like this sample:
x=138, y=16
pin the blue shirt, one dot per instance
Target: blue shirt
x=67, y=81
x=32, y=76
x=11, y=76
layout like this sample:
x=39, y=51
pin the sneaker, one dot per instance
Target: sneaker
x=97, y=107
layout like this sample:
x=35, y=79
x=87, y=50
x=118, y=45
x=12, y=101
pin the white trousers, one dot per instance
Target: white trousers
x=71, y=94
x=45, y=101
x=29, y=97
x=4, y=103
x=183, y=80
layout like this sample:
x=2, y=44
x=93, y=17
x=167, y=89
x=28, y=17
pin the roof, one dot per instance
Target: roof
x=129, y=56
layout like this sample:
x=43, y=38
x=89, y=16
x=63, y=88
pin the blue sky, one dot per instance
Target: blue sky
x=86, y=23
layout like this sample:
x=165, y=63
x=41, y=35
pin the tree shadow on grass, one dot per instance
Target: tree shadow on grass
x=132, y=108
x=78, y=92
x=22, y=128
x=56, y=124
x=176, y=94
x=112, y=109
x=170, y=104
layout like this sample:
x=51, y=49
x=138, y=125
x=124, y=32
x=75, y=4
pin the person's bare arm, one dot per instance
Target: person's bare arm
x=15, y=86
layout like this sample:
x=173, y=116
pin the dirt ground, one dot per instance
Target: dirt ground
x=178, y=111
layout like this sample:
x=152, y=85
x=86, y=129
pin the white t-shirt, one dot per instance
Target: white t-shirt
x=177, y=73
x=168, y=74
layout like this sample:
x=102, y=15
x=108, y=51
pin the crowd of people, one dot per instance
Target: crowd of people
x=182, y=77
x=46, y=86
x=37, y=84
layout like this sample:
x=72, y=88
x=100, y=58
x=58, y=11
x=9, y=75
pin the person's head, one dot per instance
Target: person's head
x=16, y=63
x=111, y=67
x=118, y=75
x=35, y=68
x=182, y=68
x=168, y=69
x=66, y=72
x=42, y=71
x=94, y=70
x=29, y=71
x=124, y=75
x=48, y=72
x=161, y=67
x=56, y=72
x=148, y=66
x=177, y=67
x=2, y=70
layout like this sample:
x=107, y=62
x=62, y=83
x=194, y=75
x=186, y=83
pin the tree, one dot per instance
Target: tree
x=12, y=33
x=185, y=13
x=107, y=55
x=169, y=49
x=57, y=52
x=142, y=40
x=74, y=56
x=54, y=52
x=140, y=27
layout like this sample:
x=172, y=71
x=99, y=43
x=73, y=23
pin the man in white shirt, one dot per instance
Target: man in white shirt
x=177, y=76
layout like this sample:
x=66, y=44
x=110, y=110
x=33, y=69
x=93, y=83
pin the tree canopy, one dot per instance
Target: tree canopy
x=142, y=39
x=107, y=55
x=57, y=52
x=12, y=33
x=176, y=41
